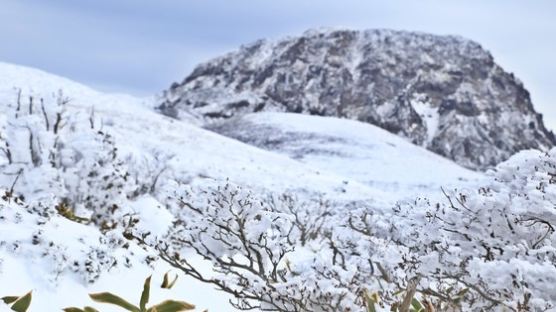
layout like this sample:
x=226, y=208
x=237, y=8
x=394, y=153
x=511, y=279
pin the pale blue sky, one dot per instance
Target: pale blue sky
x=140, y=46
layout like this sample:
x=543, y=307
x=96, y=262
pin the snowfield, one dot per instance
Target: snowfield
x=357, y=172
x=351, y=149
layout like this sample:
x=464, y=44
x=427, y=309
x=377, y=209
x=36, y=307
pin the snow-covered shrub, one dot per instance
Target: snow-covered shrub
x=49, y=150
x=150, y=173
x=498, y=241
x=246, y=241
x=35, y=232
x=71, y=178
x=475, y=250
x=489, y=249
x=261, y=251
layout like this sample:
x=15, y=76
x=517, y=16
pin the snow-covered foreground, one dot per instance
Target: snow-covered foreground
x=197, y=156
x=119, y=165
x=52, y=272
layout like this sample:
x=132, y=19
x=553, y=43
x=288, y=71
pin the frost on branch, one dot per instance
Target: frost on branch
x=276, y=254
x=246, y=241
x=250, y=244
x=489, y=249
x=498, y=241
x=49, y=151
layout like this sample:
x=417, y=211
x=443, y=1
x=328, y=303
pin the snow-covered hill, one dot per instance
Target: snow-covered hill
x=196, y=154
x=52, y=255
x=97, y=191
x=339, y=160
x=354, y=150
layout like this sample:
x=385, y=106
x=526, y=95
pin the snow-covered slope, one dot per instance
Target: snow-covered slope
x=197, y=154
x=342, y=160
x=362, y=163
x=52, y=270
x=355, y=150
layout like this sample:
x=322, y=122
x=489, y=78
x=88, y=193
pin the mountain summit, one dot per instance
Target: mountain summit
x=444, y=93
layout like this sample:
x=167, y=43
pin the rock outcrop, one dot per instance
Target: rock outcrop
x=445, y=93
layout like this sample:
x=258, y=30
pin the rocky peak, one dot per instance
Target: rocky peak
x=445, y=93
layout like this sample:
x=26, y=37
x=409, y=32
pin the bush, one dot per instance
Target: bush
x=487, y=249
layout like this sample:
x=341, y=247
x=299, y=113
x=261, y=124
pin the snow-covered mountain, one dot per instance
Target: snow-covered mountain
x=444, y=93
x=283, y=211
x=53, y=255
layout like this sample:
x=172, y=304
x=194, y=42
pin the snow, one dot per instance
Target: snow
x=430, y=115
x=353, y=162
x=197, y=156
x=141, y=131
x=18, y=279
x=354, y=150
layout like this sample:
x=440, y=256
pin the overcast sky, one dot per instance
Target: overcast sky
x=141, y=46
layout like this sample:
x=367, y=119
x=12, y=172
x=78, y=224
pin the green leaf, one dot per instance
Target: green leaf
x=145, y=294
x=9, y=299
x=107, y=297
x=23, y=303
x=460, y=295
x=166, y=284
x=370, y=302
x=171, y=306
x=86, y=309
x=165, y=281
x=462, y=292
x=417, y=306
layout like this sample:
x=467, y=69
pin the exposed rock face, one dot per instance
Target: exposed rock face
x=441, y=92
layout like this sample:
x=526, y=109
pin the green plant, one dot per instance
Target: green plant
x=166, y=284
x=165, y=306
x=85, y=309
x=65, y=211
x=416, y=306
x=19, y=304
x=372, y=301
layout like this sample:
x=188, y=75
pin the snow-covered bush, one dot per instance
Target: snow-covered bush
x=244, y=239
x=489, y=249
x=50, y=151
x=68, y=178
x=274, y=253
x=35, y=232
x=474, y=250
x=498, y=241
